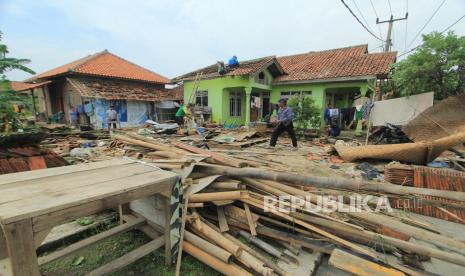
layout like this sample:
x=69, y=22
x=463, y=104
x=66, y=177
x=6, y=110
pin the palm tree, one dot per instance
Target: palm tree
x=8, y=64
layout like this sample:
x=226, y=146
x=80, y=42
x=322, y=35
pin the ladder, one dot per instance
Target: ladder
x=197, y=79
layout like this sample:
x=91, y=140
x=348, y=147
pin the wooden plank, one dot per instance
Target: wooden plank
x=64, y=215
x=129, y=258
x=47, y=203
x=67, y=183
x=358, y=266
x=30, y=175
x=20, y=243
x=250, y=221
x=223, y=223
x=90, y=241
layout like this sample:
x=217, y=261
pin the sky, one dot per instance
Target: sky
x=173, y=37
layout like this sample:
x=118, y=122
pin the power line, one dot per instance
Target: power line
x=361, y=14
x=427, y=22
x=390, y=8
x=406, y=27
x=379, y=27
x=353, y=14
x=443, y=31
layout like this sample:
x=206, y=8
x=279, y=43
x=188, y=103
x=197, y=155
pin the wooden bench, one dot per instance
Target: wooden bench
x=33, y=202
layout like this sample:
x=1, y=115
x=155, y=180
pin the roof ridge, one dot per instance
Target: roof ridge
x=328, y=50
x=86, y=60
x=130, y=62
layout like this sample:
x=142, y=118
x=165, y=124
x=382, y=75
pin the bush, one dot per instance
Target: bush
x=307, y=113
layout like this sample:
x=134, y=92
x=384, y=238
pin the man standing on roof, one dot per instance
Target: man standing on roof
x=284, y=123
x=233, y=62
x=112, y=117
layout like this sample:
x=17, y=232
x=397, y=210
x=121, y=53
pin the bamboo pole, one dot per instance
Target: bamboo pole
x=215, y=156
x=254, y=253
x=215, y=236
x=162, y=146
x=166, y=154
x=227, y=269
x=208, y=247
x=218, y=196
x=328, y=182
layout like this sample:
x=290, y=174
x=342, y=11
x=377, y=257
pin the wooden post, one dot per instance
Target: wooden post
x=20, y=243
x=167, y=235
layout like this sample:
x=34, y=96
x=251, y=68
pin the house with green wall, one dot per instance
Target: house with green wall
x=246, y=93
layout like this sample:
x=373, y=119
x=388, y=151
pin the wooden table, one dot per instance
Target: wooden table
x=33, y=202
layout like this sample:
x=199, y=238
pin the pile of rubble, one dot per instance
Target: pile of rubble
x=230, y=196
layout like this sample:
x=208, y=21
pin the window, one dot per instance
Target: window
x=289, y=94
x=262, y=79
x=201, y=98
x=235, y=103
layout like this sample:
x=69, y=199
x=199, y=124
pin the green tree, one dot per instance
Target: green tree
x=437, y=65
x=307, y=113
x=8, y=117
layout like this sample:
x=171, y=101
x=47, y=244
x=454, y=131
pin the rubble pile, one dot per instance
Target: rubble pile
x=231, y=196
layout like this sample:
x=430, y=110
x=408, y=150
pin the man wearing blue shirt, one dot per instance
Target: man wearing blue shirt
x=285, y=117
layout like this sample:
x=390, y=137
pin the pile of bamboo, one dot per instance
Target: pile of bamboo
x=224, y=206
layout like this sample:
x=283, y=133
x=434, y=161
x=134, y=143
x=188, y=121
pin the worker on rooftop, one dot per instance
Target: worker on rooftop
x=233, y=62
x=284, y=123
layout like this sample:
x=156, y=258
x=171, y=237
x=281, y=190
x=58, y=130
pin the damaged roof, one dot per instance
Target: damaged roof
x=117, y=90
x=353, y=61
x=247, y=67
x=105, y=64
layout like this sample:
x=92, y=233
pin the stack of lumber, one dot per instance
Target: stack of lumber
x=227, y=201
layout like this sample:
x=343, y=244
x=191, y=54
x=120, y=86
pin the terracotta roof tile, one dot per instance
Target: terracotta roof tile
x=24, y=86
x=342, y=62
x=245, y=68
x=336, y=63
x=105, y=64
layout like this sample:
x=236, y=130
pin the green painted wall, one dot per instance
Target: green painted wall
x=218, y=99
x=318, y=91
x=219, y=91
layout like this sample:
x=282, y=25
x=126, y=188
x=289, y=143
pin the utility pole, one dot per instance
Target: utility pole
x=387, y=46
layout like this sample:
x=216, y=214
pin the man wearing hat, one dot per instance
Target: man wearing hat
x=284, y=123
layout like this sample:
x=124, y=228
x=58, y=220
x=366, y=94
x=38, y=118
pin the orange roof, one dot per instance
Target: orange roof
x=337, y=63
x=23, y=86
x=105, y=64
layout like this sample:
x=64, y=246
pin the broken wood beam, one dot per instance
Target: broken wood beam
x=149, y=145
x=91, y=240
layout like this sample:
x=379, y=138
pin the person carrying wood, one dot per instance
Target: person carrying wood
x=284, y=123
